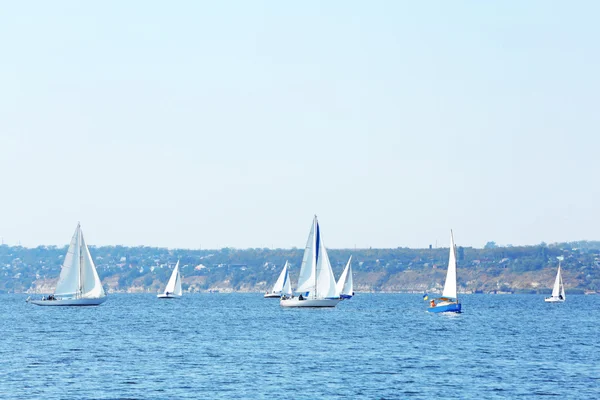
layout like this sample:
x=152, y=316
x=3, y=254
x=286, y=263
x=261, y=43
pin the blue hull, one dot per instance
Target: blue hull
x=447, y=308
x=345, y=296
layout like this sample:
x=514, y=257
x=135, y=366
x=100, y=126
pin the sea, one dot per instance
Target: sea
x=242, y=346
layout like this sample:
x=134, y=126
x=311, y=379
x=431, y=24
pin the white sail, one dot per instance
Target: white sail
x=78, y=275
x=91, y=286
x=68, y=282
x=287, y=285
x=556, y=289
x=278, y=287
x=450, y=285
x=174, y=284
x=562, y=288
x=306, y=278
x=345, y=286
x=325, y=286
x=349, y=286
x=178, y=291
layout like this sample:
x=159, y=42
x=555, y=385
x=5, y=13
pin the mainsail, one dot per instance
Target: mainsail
x=287, y=285
x=306, y=278
x=278, y=287
x=78, y=275
x=450, y=285
x=174, y=284
x=345, y=285
x=558, y=289
x=68, y=282
x=316, y=275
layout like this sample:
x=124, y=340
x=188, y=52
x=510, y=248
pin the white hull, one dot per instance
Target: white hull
x=168, y=296
x=69, y=302
x=309, y=302
x=272, y=296
x=554, y=300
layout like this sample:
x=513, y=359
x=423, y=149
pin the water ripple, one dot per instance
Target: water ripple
x=375, y=346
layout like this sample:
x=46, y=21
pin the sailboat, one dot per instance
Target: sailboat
x=316, y=283
x=558, y=291
x=449, y=300
x=345, y=286
x=278, y=287
x=78, y=284
x=173, y=289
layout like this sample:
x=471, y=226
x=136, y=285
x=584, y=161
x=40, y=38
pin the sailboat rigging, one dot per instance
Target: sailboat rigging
x=558, y=290
x=316, y=283
x=345, y=286
x=78, y=283
x=449, y=300
x=279, y=284
x=173, y=289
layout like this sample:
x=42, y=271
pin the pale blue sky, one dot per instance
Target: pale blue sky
x=213, y=124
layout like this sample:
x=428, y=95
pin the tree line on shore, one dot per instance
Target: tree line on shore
x=493, y=268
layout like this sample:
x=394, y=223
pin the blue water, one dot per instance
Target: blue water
x=375, y=346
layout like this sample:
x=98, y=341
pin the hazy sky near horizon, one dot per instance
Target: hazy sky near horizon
x=229, y=124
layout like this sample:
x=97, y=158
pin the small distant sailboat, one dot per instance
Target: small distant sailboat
x=277, y=290
x=449, y=300
x=78, y=284
x=316, y=283
x=173, y=289
x=345, y=286
x=558, y=291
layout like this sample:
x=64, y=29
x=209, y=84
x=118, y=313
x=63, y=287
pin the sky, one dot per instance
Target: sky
x=196, y=124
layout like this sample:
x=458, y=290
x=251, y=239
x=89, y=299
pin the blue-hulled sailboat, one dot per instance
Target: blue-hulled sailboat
x=449, y=300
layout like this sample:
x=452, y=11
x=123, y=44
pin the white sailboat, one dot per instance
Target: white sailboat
x=558, y=291
x=173, y=289
x=316, y=283
x=449, y=300
x=78, y=284
x=345, y=286
x=278, y=287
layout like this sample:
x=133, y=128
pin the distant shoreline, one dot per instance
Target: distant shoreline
x=571, y=293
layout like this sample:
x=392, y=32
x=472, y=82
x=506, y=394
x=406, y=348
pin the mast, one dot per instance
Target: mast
x=80, y=259
x=317, y=241
x=562, y=288
x=455, y=262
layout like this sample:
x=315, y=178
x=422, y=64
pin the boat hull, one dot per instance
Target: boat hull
x=315, y=303
x=453, y=307
x=272, y=296
x=554, y=300
x=168, y=296
x=69, y=302
x=345, y=296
